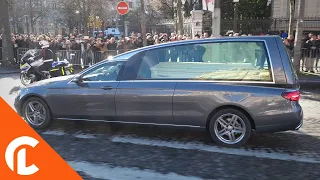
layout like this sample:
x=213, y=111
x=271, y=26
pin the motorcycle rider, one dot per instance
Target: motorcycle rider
x=46, y=53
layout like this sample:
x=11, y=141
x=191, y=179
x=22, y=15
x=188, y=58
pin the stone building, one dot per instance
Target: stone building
x=281, y=14
x=280, y=8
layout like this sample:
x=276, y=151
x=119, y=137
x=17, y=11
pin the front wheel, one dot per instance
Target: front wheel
x=230, y=128
x=27, y=79
x=37, y=113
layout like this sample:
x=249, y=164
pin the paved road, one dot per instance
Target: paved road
x=109, y=151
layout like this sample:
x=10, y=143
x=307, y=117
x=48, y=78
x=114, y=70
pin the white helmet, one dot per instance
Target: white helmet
x=44, y=44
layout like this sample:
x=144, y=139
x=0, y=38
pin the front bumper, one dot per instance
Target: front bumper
x=17, y=105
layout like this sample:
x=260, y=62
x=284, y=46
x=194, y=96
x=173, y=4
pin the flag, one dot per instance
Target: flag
x=208, y=5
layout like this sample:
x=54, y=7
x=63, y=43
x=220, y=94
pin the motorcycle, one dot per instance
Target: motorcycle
x=34, y=68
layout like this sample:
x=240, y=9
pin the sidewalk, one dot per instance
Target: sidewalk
x=7, y=70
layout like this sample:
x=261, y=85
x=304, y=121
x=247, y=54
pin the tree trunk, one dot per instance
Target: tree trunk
x=85, y=28
x=27, y=24
x=85, y=18
x=14, y=16
x=299, y=33
x=7, y=46
x=31, y=16
x=143, y=23
x=180, y=18
x=291, y=18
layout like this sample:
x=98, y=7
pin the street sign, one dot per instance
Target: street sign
x=122, y=8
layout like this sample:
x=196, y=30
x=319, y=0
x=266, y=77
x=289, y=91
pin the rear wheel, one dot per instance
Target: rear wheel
x=37, y=113
x=230, y=128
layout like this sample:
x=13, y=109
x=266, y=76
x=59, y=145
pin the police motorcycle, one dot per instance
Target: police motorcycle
x=37, y=65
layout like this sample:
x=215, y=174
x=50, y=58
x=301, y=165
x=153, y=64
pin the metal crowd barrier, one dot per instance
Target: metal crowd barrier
x=310, y=59
x=76, y=57
x=85, y=58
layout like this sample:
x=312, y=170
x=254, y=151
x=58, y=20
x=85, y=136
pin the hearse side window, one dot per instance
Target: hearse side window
x=225, y=61
x=105, y=72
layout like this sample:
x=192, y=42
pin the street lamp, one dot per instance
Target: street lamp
x=235, y=16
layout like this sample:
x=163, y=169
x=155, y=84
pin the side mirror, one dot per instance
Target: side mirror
x=77, y=79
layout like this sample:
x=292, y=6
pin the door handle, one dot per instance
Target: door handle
x=106, y=87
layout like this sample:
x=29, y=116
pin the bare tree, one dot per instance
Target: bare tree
x=85, y=9
x=69, y=12
x=143, y=23
x=291, y=18
x=7, y=46
x=35, y=9
x=103, y=10
x=180, y=17
x=299, y=34
x=164, y=7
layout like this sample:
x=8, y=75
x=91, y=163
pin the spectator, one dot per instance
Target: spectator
x=289, y=43
x=150, y=40
x=121, y=46
x=112, y=45
x=284, y=35
x=312, y=44
x=139, y=40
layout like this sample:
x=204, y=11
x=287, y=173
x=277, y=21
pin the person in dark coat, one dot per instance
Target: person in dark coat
x=46, y=52
x=312, y=45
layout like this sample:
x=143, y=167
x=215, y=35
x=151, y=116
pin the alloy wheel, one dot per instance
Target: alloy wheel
x=35, y=113
x=230, y=128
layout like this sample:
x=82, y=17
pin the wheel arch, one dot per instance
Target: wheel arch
x=230, y=107
x=24, y=99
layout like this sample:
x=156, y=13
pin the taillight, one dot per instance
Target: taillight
x=291, y=95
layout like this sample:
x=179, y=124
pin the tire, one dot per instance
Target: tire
x=45, y=118
x=221, y=131
x=25, y=80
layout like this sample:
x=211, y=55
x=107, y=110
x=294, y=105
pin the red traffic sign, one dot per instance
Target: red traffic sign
x=122, y=8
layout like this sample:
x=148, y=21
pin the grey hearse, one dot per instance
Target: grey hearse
x=230, y=86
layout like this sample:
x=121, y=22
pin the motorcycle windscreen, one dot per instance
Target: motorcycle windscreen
x=31, y=55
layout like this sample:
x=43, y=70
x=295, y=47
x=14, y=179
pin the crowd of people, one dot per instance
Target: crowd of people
x=107, y=45
x=72, y=42
x=310, y=53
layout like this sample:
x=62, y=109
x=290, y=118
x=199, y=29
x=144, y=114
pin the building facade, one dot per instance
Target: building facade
x=281, y=14
x=281, y=8
x=134, y=4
